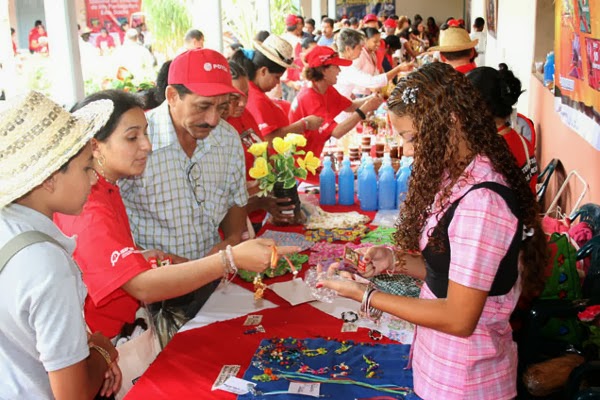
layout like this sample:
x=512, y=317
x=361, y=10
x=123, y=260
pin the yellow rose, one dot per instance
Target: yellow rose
x=281, y=146
x=258, y=149
x=295, y=139
x=310, y=162
x=260, y=168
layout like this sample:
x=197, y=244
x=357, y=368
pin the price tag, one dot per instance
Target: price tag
x=306, y=389
x=349, y=327
x=236, y=385
x=226, y=372
x=253, y=320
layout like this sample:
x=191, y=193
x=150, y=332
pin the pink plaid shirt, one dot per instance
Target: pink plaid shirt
x=483, y=365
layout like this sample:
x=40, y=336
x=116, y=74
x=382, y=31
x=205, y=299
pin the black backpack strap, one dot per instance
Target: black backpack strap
x=19, y=242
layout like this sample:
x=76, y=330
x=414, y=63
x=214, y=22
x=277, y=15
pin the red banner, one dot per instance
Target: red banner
x=110, y=14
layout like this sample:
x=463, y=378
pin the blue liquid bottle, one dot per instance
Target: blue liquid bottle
x=361, y=167
x=327, y=184
x=549, y=69
x=346, y=183
x=387, y=184
x=402, y=183
x=368, y=187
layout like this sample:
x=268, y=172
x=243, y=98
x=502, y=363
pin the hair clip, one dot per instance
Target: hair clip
x=409, y=95
x=527, y=232
x=248, y=53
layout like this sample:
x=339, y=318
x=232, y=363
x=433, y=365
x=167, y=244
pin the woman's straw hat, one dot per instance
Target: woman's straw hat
x=38, y=136
x=454, y=39
x=277, y=50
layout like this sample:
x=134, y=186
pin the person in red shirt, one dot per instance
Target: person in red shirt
x=14, y=43
x=38, y=39
x=323, y=100
x=501, y=90
x=265, y=66
x=243, y=122
x=117, y=273
x=104, y=41
x=456, y=47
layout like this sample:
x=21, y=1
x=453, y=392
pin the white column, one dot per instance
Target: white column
x=263, y=8
x=206, y=16
x=7, y=74
x=331, y=8
x=67, y=78
x=315, y=10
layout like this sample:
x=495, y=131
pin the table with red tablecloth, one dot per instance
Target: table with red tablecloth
x=191, y=362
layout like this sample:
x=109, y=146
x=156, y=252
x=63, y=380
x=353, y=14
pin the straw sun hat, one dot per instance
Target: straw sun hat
x=277, y=50
x=454, y=39
x=38, y=136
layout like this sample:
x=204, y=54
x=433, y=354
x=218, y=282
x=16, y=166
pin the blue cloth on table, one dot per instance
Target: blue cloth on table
x=392, y=360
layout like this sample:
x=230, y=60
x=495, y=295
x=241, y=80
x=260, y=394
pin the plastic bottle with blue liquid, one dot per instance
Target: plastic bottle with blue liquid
x=387, y=184
x=359, y=171
x=346, y=183
x=549, y=69
x=368, y=187
x=327, y=184
x=402, y=183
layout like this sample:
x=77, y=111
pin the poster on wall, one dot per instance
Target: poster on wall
x=360, y=8
x=577, y=67
x=109, y=14
x=491, y=16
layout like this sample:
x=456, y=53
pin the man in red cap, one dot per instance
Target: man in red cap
x=390, y=26
x=370, y=21
x=194, y=182
x=323, y=100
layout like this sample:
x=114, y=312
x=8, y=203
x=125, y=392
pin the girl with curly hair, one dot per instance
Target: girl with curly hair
x=470, y=228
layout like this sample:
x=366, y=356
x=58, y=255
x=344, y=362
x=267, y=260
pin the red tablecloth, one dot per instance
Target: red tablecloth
x=189, y=365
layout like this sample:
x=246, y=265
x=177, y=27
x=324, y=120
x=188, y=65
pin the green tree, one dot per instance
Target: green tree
x=168, y=20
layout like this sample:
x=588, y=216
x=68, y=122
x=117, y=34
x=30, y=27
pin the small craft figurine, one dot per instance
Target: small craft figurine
x=259, y=287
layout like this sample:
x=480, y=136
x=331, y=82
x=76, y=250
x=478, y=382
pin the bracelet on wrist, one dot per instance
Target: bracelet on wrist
x=304, y=124
x=360, y=113
x=103, y=353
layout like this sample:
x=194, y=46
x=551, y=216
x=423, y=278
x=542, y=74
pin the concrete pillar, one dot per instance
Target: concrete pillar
x=263, y=8
x=331, y=9
x=316, y=12
x=7, y=59
x=206, y=16
x=67, y=78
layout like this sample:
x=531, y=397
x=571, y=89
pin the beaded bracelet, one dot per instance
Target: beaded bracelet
x=103, y=353
x=349, y=316
x=374, y=334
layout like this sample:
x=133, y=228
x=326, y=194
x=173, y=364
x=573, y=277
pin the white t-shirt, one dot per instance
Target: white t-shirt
x=41, y=302
x=480, y=48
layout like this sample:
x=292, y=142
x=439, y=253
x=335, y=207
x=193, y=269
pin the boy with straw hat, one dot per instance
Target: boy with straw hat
x=45, y=165
x=456, y=47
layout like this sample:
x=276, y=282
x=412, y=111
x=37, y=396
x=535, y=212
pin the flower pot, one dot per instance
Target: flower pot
x=291, y=193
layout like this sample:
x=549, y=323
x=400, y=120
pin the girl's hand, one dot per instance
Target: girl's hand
x=377, y=259
x=255, y=255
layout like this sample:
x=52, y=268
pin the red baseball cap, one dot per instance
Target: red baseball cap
x=291, y=20
x=205, y=72
x=370, y=18
x=390, y=23
x=320, y=56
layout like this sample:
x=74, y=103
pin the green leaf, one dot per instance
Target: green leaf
x=300, y=173
x=290, y=183
x=300, y=153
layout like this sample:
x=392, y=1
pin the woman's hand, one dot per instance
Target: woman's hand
x=344, y=287
x=112, y=380
x=377, y=259
x=273, y=206
x=255, y=255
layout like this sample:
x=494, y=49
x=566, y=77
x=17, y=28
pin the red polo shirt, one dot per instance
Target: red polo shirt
x=107, y=257
x=268, y=115
x=466, y=67
x=328, y=106
x=529, y=165
x=108, y=41
x=249, y=134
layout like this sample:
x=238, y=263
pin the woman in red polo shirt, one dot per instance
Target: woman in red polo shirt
x=501, y=90
x=117, y=274
x=322, y=99
x=265, y=66
x=245, y=124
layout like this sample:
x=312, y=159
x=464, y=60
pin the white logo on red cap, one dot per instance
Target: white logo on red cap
x=207, y=66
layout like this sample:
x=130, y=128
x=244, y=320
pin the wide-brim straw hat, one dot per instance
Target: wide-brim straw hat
x=38, y=136
x=278, y=50
x=454, y=39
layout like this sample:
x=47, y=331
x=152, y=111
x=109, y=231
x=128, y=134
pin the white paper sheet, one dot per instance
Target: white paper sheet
x=293, y=291
x=227, y=303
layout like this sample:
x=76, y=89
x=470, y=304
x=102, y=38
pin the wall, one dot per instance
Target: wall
x=556, y=140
